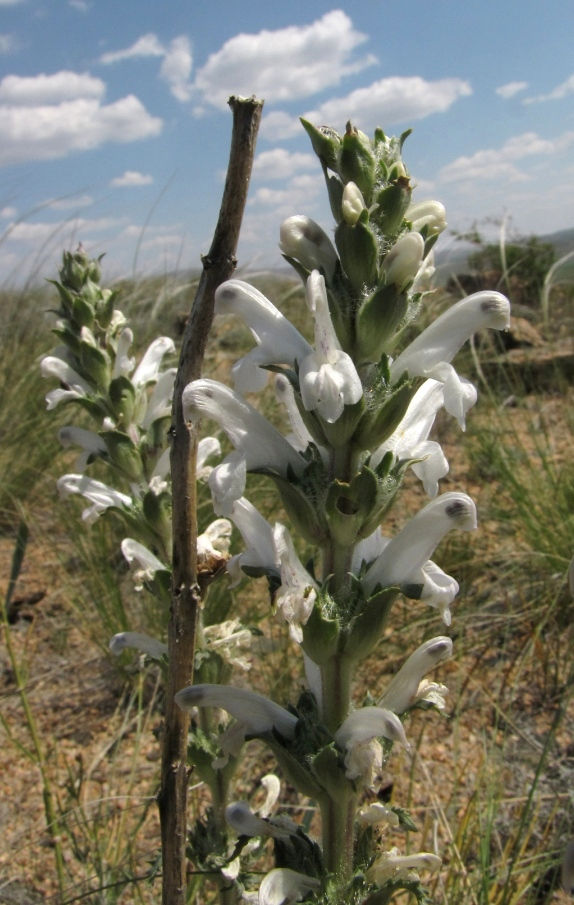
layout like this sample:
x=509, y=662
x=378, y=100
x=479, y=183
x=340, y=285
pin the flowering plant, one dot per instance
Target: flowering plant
x=360, y=403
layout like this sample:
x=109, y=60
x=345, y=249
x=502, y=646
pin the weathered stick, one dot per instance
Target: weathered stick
x=218, y=266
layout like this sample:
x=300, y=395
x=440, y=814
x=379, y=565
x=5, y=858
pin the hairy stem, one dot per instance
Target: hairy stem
x=218, y=266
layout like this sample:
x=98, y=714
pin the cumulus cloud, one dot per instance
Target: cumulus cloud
x=500, y=163
x=8, y=213
x=43, y=231
x=176, y=68
x=38, y=90
x=69, y=204
x=282, y=164
x=41, y=131
x=176, y=65
x=391, y=100
x=562, y=90
x=132, y=178
x=284, y=64
x=511, y=89
x=147, y=46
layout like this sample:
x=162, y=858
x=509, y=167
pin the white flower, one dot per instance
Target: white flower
x=123, y=365
x=429, y=355
x=410, y=439
x=257, y=713
x=405, y=559
x=213, y=546
x=392, y=865
x=278, y=342
x=250, y=433
x=300, y=438
x=89, y=441
x=296, y=596
x=403, y=261
x=304, y=240
x=159, y=403
x=406, y=688
x=231, y=640
x=141, y=642
x=134, y=552
x=148, y=369
x=353, y=203
x=207, y=447
x=257, y=535
x=431, y=214
x=246, y=823
x=357, y=736
x=76, y=386
x=283, y=886
x=327, y=377
x=101, y=496
x=377, y=813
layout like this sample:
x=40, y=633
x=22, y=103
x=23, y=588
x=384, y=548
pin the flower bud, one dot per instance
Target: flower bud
x=392, y=203
x=402, y=263
x=353, y=204
x=429, y=214
x=304, y=240
x=357, y=161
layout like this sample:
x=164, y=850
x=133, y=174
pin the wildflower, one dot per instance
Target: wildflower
x=402, y=263
x=278, y=342
x=230, y=639
x=353, y=203
x=304, y=240
x=283, y=886
x=148, y=369
x=250, y=433
x=136, y=553
x=159, y=403
x=300, y=438
x=246, y=823
x=327, y=377
x=376, y=814
x=392, y=865
x=429, y=214
x=410, y=439
x=357, y=736
x=406, y=688
x=257, y=713
x=296, y=596
x=93, y=446
x=75, y=386
x=429, y=355
x=404, y=560
x=123, y=365
x=100, y=495
x=141, y=642
x=257, y=535
x=207, y=447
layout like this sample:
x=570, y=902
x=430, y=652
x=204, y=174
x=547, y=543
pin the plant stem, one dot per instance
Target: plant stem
x=218, y=266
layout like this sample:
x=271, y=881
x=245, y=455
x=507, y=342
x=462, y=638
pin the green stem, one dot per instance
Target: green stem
x=338, y=835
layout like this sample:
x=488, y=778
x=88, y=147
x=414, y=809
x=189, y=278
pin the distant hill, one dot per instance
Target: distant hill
x=453, y=259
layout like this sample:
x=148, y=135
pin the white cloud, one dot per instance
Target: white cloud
x=132, y=178
x=285, y=64
x=176, y=65
x=48, y=132
x=81, y=5
x=562, y=90
x=69, y=204
x=8, y=213
x=41, y=232
x=49, y=89
x=391, y=100
x=498, y=164
x=300, y=191
x=10, y=2
x=281, y=164
x=147, y=46
x=176, y=68
x=511, y=89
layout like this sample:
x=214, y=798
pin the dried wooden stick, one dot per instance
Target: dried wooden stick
x=218, y=266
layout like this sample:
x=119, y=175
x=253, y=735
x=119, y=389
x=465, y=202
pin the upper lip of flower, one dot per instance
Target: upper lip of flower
x=403, y=688
x=258, y=714
x=261, y=443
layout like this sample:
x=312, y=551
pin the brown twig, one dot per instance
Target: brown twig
x=218, y=266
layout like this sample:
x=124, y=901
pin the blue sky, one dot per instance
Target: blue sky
x=114, y=128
